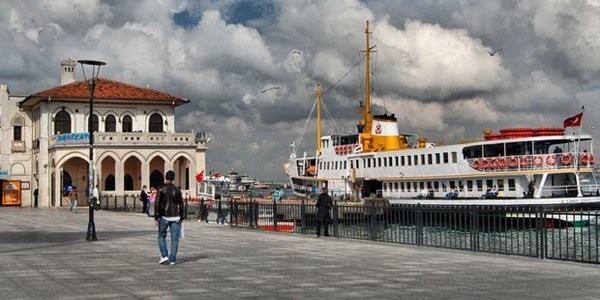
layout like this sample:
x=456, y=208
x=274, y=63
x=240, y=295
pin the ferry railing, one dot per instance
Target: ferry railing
x=550, y=161
x=553, y=232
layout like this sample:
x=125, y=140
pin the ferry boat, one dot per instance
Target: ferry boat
x=512, y=166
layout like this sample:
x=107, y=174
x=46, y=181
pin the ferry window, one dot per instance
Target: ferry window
x=501, y=184
x=396, y=161
x=396, y=186
x=422, y=159
x=364, y=163
x=402, y=186
x=351, y=164
x=384, y=164
x=470, y=185
x=436, y=186
x=402, y=160
x=461, y=185
x=493, y=150
x=409, y=160
x=414, y=186
x=437, y=158
x=480, y=185
x=445, y=157
x=511, y=184
x=452, y=184
x=454, y=157
x=421, y=185
x=390, y=161
x=489, y=183
x=345, y=164
x=368, y=163
x=430, y=158
x=416, y=159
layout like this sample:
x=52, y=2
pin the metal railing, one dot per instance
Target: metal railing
x=551, y=232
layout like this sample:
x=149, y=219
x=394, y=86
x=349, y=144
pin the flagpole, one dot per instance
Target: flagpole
x=578, y=149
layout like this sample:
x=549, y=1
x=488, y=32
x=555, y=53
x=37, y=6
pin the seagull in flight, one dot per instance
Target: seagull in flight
x=493, y=53
x=296, y=52
x=271, y=88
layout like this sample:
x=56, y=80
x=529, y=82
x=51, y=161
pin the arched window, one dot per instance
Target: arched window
x=127, y=124
x=128, y=182
x=62, y=122
x=110, y=124
x=156, y=123
x=109, y=183
x=94, y=123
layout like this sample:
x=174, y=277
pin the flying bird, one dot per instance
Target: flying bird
x=296, y=52
x=271, y=88
x=493, y=53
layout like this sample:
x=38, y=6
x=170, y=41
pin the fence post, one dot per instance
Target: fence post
x=541, y=224
x=419, y=216
x=372, y=220
x=275, y=216
x=336, y=219
x=303, y=217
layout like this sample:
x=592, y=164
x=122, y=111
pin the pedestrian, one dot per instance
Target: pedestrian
x=35, y=197
x=168, y=213
x=324, y=204
x=220, y=213
x=73, y=199
x=144, y=199
x=201, y=209
x=96, y=197
x=152, y=200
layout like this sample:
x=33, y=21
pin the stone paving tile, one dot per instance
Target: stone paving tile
x=45, y=256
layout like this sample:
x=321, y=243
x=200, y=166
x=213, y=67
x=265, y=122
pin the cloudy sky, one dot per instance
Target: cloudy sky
x=431, y=67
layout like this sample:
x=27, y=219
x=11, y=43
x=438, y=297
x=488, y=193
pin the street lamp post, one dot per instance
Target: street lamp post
x=91, y=83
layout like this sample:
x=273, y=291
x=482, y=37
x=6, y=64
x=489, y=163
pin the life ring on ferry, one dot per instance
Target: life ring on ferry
x=566, y=159
x=477, y=164
x=512, y=162
x=485, y=164
x=349, y=149
x=551, y=160
x=500, y=162
x=524, y=161
x=492, y=163
x=538, y=161
x=587, y=159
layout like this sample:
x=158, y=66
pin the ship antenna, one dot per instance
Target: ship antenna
x=318, y=119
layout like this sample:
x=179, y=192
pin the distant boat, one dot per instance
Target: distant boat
x=512, y=166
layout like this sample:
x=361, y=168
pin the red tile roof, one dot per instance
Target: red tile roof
x=107, y=89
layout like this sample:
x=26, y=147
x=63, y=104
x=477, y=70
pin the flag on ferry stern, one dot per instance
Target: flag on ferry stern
x=573, y=121
x=200, y=176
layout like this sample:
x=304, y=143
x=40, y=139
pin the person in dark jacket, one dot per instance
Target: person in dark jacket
x=144, y=199
x=324, y=204
x=168, y=213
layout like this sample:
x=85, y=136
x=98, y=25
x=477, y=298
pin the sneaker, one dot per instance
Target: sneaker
x=172, y=263
x=163, y=260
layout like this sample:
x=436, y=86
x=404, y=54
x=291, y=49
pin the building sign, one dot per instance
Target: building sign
x=11, y=193
x=3, y=174
x=73, y=138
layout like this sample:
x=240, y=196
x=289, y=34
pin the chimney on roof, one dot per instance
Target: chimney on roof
x=68, y=70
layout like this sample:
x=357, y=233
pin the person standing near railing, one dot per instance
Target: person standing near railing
x=144, y=199
x=324, y=204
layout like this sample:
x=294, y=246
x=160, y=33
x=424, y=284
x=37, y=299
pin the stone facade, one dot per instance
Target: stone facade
x=45, y=141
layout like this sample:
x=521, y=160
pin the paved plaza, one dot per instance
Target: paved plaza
x=44, y=255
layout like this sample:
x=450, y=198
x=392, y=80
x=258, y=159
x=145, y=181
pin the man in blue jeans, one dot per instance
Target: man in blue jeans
x=168, y=213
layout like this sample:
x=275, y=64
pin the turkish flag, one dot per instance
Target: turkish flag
x=573, y=121
x=200, y=176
